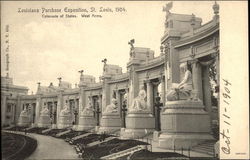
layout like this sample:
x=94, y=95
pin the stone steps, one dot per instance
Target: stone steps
x=62, y=133
x=206, y=147
x=9, y=127
x=30, y=128
x=81, y=136
x=98, y=142
x=123, y=153
x=46, y=130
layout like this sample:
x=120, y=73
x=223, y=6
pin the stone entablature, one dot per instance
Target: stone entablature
x=110, y=70
x=198, y=36
x=156, y=62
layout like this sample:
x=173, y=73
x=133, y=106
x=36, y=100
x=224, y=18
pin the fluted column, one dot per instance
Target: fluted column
x=163, y=96
x=149, y=95
x=100, y=103
x=59, y=105
x=197, y=79
x=118, y=99
x=3, y=108
x=207, y=90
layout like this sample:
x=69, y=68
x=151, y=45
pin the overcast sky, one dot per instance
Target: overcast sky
x=41, y=50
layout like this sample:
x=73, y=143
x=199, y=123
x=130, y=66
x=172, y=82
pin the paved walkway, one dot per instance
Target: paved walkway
x=52, y=148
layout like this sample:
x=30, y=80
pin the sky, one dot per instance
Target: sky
x=43, y=49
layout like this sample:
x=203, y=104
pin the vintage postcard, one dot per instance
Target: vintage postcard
x=124, y=80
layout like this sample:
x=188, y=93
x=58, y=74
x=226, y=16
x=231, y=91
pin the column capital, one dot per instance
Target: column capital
x=208, y=63
x=156, y=83
x=147, y=81
x=193, y=61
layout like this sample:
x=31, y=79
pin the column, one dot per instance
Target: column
x=118, y=97
x=32, y=113
x=217, y=62
x=207, y=90
x=54, y=112
x=149, y=95
x=59, y=104
x=3, y=108
x=77, y=111
x=100, y=102
x=163, y=97
x=13, y=110
x=197, y=81
x=18, y=109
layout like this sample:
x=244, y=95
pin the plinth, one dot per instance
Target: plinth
x=184, y=124
x=44, y=121
x=138, y=124
x=64, y=121
x=110, y=122
x=86, y=122
x=24, y=120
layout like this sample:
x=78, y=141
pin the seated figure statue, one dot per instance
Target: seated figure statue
x=24, y=112
x=139, y=103
x=112, y=108
x=45, y=110
x=183, y=90
x=65, y=110
x=88, y=110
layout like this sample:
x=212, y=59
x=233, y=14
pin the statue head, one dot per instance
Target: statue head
x=183, y=67
x=125, y=96
x=113, y=101
x=142, y=94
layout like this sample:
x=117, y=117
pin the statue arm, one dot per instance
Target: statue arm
x=185, y=79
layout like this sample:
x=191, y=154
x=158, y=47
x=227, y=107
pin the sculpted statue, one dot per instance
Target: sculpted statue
x=112, y=108
x=139, y=103
x=45, y=110
x=88, y=110
x=65, y=110
x=182, y=90
x=24, y=112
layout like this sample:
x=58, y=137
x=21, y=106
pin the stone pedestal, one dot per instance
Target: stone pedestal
x=64, y=121
x=86, y=123
x=138, y=125
x=44, y=121
x=156, y=135
x=109, y=123
x=54, y=126
x=33, y=125
x=184, y=124
x=24, y=120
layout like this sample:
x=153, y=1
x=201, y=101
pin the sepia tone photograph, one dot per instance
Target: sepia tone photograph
x=124, y=80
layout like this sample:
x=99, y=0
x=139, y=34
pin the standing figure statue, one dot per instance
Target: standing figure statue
x=183, y=90
x=112, y=108
x=139, y=103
